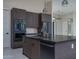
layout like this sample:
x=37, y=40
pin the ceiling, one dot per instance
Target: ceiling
x=59, y=10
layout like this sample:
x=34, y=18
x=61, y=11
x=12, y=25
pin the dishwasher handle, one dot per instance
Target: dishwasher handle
x=46, y=44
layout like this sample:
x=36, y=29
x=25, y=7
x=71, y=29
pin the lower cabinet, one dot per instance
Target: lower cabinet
x=31, y=48
x=27, y=47
x=35, y=49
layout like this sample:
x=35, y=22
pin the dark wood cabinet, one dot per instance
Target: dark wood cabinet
x=18, y=13
x=31, y=48
x=27, y=46
x=37, y=49
x=46, y=17
x=32, y=20
x=18, y=27
x=20, y=19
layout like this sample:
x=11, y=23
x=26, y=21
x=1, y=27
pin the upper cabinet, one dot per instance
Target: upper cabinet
x=32, y=20
x=22, y=19
x=46, y=17
x=18, y=13
x=18, y=20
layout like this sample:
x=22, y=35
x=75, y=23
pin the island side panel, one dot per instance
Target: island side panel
x=65, y=50
x=35, y=49
x=31, y=48
x=27, y=47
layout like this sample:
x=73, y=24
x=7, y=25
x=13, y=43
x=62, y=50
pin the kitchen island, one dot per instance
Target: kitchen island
x=61, y=47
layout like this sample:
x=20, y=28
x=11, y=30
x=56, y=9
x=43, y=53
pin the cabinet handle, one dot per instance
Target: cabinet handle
x=33, y=44
x=47, y=44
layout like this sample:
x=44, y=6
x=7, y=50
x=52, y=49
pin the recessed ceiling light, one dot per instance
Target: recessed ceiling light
x=64, y=3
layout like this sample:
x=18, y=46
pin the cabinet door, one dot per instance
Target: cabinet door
x=27, y=47
x=31, y=48
x=65, y=50
x=18, y=20
x=46, y=17
x=35, y=20
x=35, y=49
x=19, y=13
x=31, y=19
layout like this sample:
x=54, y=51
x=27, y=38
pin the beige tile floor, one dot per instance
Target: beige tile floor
x=9, y=53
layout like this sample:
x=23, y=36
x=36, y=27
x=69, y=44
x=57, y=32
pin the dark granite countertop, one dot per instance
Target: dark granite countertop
x=56, y=39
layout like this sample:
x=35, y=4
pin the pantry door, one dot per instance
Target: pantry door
x=6, y=28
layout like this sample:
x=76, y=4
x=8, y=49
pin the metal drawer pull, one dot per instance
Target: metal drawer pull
x=47, y=44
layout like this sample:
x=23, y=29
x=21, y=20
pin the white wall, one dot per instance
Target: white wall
x=29, y=5
x=48, y=7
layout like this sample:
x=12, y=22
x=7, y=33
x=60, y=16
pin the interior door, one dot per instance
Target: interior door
x=6, y=28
